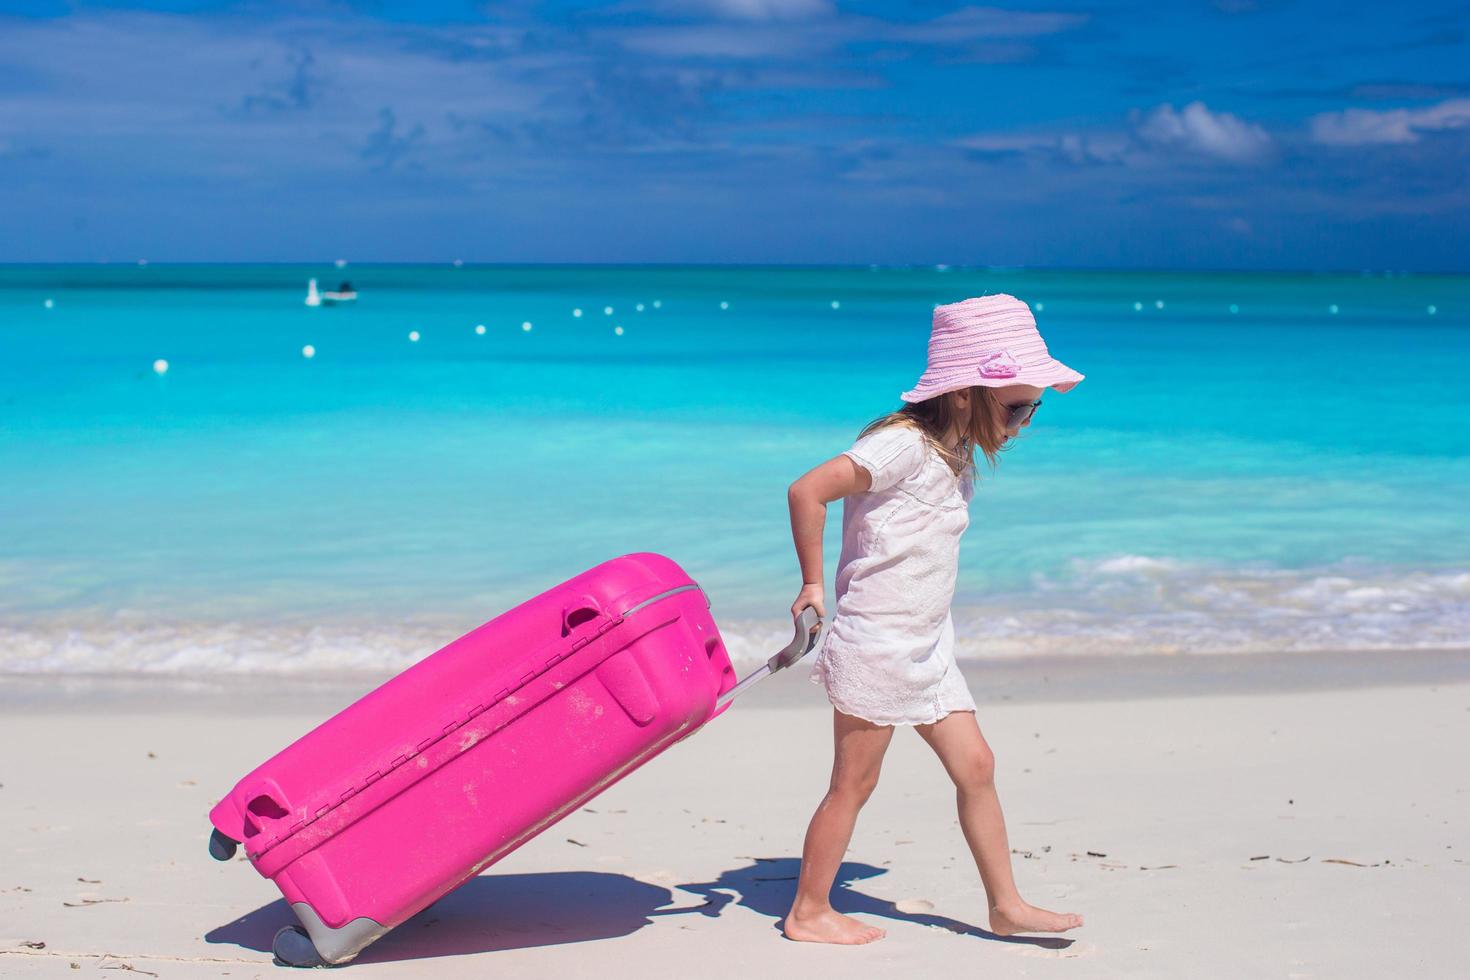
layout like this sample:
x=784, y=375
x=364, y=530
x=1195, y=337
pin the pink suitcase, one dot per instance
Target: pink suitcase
x=448, y=767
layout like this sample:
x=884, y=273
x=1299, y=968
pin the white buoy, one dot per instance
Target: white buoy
x=1332, y=308
x=724, y=304
x=526, y=326
x=1433, y=310
x=618, y=331
x=413, y=336
x=1234, y=308
x=160, y=366
x=50, y=303
x=1137, y=305
x=639, y=307
x=577, y=312
x=1158, y=304
x=607, y=311
x=836, y=305
x=308, y=352
x=480, y=329
x=657, y=303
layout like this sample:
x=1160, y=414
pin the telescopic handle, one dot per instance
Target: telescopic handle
x=807, y=626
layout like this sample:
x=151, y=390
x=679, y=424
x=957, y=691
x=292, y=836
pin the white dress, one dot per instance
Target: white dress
x=888, y=655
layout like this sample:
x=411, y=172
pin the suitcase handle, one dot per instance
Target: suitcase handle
x=580, y=610
x=807, y=625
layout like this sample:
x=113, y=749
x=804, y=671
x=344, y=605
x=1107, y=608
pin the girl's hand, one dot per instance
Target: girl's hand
x=810, y=595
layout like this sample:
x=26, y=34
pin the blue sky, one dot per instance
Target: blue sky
x=1226, y=134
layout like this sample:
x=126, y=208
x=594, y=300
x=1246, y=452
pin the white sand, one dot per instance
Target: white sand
x=686, y=866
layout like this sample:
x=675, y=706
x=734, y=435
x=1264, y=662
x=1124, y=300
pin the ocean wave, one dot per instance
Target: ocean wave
x=1122, y=604
x=1128, y=604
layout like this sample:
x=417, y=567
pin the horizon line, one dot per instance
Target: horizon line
x=934, y=266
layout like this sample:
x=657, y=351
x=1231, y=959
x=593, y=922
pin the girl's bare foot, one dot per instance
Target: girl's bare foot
x=1028, y=918
x=829, y=926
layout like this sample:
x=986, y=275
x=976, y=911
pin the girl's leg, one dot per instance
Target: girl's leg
x=859, y=746
x=966, y=756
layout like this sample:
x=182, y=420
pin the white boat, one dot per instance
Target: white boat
x=342, y=294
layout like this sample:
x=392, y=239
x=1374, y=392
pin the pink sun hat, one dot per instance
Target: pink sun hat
x=992, y=341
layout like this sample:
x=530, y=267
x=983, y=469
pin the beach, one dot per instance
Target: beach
x=1213, y=606
x=1250, y=816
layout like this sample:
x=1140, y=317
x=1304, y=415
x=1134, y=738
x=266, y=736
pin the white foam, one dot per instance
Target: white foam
x=120, y=644
x=1120, y=604
x=1140, y=604
x=1132, y=564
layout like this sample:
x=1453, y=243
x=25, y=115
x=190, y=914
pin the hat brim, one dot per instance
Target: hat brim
x=1055, y=375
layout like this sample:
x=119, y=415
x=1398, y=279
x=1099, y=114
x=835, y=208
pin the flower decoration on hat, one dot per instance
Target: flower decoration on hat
x=999, y=365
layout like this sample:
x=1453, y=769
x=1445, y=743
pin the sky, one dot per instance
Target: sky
x=1219, y=134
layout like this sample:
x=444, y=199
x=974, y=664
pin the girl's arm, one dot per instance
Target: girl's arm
x=808, y=497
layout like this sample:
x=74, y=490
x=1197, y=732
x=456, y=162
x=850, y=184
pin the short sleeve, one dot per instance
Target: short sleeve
x=889, y=454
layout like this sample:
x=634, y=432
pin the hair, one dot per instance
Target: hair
x=934, y=417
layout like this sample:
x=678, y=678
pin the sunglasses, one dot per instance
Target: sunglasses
x=1021, y=413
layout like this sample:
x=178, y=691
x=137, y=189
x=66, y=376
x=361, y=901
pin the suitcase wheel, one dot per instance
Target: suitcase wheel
x=293, y=947
x=222, y=848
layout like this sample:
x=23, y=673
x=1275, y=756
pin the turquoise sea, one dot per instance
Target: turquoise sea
x=1254, y=461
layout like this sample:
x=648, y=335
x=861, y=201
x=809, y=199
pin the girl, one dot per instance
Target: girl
x=888, y=657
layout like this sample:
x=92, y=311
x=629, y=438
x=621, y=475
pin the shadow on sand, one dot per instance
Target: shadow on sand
x=768, y=886
x=519, y=911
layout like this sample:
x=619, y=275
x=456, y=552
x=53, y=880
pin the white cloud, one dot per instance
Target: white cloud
x=761, y=10
x=957, y=26
x=1359, y=127
x=1198, y=130
x=1074, y=148
x=733, y=41
x=760, y=37
x=1154, y=139
x=973, y=23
